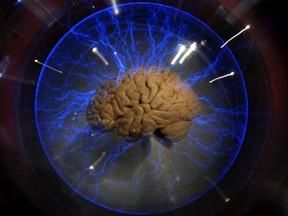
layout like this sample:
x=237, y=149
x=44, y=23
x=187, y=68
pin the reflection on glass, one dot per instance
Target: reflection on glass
x=150, y=174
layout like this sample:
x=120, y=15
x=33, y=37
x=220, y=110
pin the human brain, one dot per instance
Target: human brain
x=143, y=102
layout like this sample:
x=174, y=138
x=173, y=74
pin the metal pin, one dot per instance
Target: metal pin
x=221, y=77
x=96, y=162
x=225, y=198
x=116, y=11
x=192, y=47
x=115, y=53
x=95, y=51
x=45, y=65
x=181, y=50
x=246, y=28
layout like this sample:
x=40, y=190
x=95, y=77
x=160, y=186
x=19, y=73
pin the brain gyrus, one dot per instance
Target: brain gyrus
x=143, y=102
x=99, y=121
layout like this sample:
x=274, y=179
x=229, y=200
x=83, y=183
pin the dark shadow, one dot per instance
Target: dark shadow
x=162, y=139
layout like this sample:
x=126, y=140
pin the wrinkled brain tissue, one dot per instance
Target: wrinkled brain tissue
x=144, y=102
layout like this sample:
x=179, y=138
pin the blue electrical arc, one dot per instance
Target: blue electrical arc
x=144, y=177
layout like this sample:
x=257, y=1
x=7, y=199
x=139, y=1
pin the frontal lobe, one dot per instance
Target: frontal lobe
x=143, y=102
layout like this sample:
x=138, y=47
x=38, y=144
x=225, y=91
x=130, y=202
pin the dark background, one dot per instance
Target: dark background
x=12, y=200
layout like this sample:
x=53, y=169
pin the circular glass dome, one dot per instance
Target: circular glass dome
x=150, y=175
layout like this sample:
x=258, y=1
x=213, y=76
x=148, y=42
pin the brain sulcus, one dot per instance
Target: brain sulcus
x=144, y=102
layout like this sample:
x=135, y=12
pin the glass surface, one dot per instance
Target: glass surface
x=150, y=175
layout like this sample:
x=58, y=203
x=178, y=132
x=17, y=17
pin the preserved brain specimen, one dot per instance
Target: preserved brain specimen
x=143, y=102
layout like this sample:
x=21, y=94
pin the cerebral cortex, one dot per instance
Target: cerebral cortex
x=144, y=102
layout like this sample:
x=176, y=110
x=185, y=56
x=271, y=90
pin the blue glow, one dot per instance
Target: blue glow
x=142, y=177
